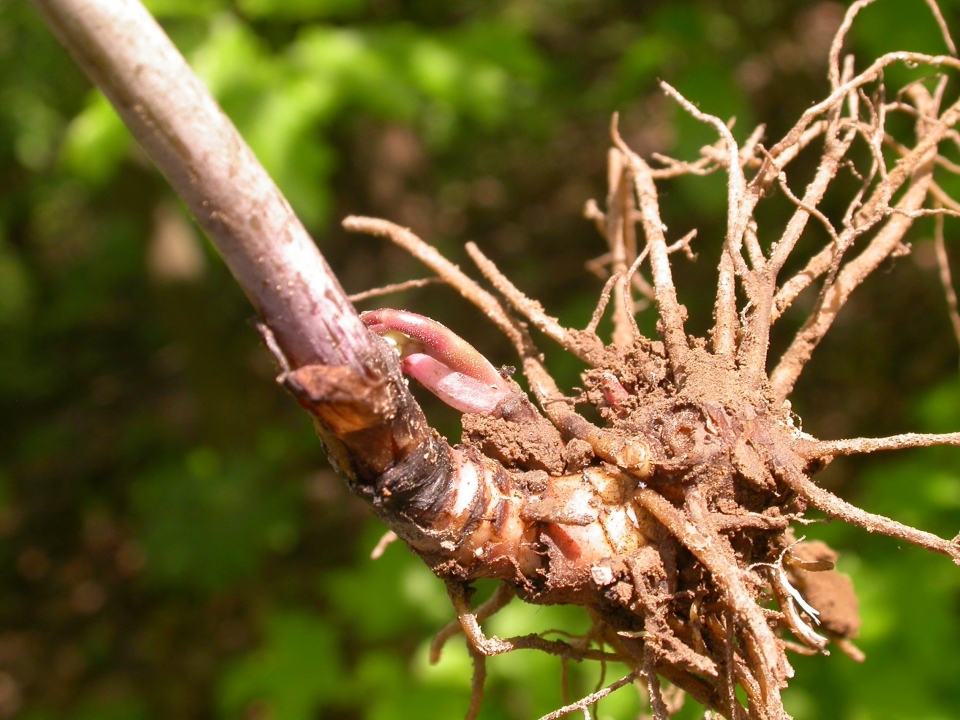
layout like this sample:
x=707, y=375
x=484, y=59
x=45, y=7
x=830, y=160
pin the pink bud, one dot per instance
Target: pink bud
x=442, y=361
x=614, y=393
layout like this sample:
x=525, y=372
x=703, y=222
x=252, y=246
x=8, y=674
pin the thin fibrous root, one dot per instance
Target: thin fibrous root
x=585, y=702
x=448, y=272
x=946, y=280
x=858, y=446
x=542, y=383
x=671, y=312
x=383, y=543
x=477, y=682
x=654, y=690
x=601, y=304
x=722, y=565
x=828, y=503
x=588, y=348
x=392, y=288
x=497, y=646
x=494, y=604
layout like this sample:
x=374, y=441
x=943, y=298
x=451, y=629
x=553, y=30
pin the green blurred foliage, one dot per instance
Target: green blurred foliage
x=206, y=527
x=909, y=600
x=294, y=674
x=174, y=544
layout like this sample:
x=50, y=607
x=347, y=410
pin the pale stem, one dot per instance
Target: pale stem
x=124, y=51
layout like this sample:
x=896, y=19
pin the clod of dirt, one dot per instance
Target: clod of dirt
x=829, y=591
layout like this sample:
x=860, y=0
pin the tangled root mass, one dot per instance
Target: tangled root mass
x=672, y=520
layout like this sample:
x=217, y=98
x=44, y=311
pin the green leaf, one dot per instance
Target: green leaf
x=183, y=8
x=235, y=65
x=291, y=676
x=209, y=524
x=907, y=595
x=284, y=138
x=96, y=141
x=16, y=285
x=301, y=9
x=393, y=596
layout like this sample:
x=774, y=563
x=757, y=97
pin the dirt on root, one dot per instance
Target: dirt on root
x=718, y=445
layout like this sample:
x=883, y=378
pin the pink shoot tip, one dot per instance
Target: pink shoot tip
x=442, y=361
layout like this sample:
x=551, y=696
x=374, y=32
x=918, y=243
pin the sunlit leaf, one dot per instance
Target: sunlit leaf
x=301, y=9
x=291, y=676
x=96, y=141
x=210, y=523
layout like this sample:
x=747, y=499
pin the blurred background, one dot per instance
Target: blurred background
x=172, y=541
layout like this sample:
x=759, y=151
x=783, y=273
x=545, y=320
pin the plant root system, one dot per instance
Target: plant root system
x=671, y=522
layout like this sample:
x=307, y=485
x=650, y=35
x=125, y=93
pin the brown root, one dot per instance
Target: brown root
x=670, y=521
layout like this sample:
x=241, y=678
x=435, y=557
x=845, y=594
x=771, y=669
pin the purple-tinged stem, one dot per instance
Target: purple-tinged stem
x=171, y=113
